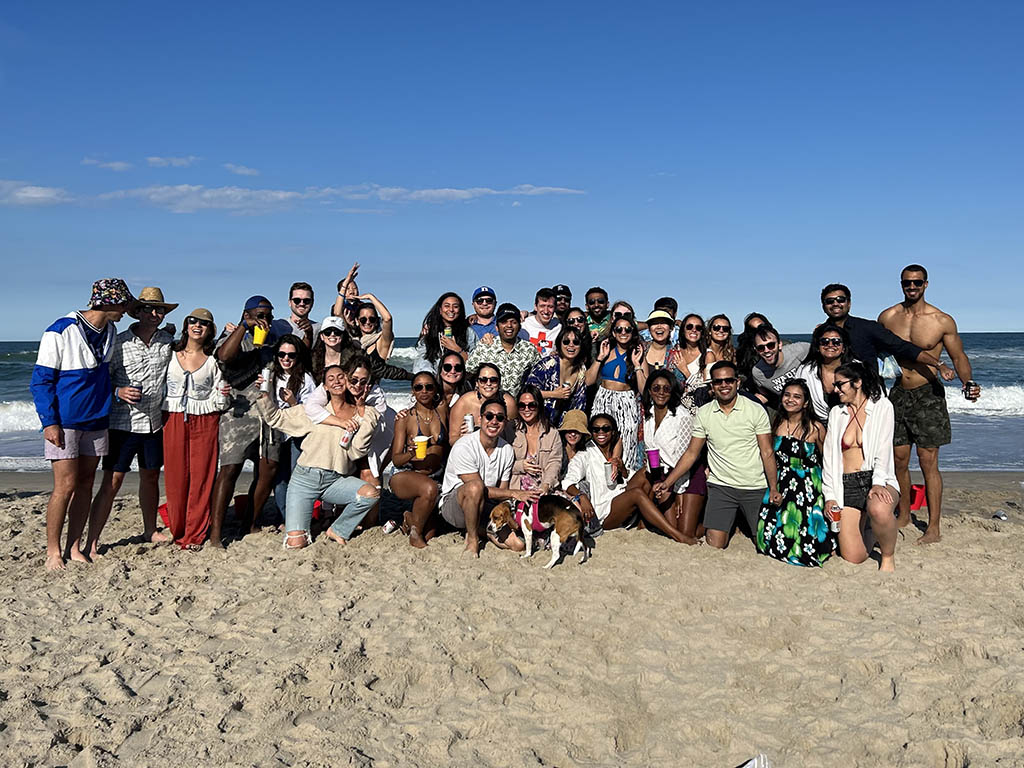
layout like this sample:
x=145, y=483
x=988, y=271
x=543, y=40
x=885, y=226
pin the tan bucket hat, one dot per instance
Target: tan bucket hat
x=153, y=297
x=574, y=420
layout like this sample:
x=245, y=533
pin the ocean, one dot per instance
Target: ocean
x=987, y=435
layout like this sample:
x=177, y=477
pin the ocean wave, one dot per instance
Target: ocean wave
x=18, y=416
x=402, y=355
x=994, y=401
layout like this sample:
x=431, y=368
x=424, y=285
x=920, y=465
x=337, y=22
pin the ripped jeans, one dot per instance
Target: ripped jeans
x=308, y=484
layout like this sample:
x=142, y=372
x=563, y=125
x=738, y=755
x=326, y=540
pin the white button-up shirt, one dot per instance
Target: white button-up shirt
x=146, y=364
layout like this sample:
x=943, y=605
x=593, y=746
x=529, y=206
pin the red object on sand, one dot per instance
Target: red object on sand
x=162, y=509
x=316, y=509
x=918, y=499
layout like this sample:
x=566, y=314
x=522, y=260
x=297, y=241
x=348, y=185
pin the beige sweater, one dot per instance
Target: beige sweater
x=321, y=448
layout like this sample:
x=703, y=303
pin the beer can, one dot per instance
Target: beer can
x=346, y=438
x=468, y=421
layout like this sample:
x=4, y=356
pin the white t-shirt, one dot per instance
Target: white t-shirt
x=468, y=456
x=542, y=337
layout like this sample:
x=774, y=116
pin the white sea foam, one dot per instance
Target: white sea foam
x=402, y=355
x=18, y=416
x=994, y=402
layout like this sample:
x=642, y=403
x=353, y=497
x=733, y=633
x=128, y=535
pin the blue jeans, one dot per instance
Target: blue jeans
x=307, y=485
x=286, y=462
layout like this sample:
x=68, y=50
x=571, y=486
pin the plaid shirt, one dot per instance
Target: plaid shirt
x=513, y=365
x=134, y=360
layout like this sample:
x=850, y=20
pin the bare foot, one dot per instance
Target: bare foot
x=54, y=562
x=77, y=555
x=94, y=553
x=473, y=545
x=903, y=522
x=335, y=537
x=688, y=540
x=216, y=544
x=930, y=537
x=156, y=537
x=888, y=564
x=415, y=539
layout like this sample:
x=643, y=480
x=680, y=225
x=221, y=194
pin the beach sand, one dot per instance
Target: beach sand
x=376, y=654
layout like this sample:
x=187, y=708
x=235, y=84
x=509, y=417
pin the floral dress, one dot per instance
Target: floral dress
x=796, y=532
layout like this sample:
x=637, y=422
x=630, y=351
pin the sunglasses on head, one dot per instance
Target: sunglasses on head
x=718, y=328
x=830, y=300
x=916, y=283
x=286, y=355
x=330, y=332
x=302, y=302
x=601, y=428
x=494, y=416
x=693, y=327
x=487, y=379
x=622, y=315
x=197, y=321
x=450, y=368
x=724, y=380
x=423, y=387
x=831, y=341
x=766, y=347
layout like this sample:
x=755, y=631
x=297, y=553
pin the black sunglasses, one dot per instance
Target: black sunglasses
x=766, y=347
x=484, y=300
x=197, y=321
x=622, y=329
x=915, y=283
x=693, y=327
x=601, y=428
x=592, y=302
x=828, y=302
x=623, y=315
x=156, y=310
x=527, y=405
x=421, y=387
x=662, y=390
x=494, y=416
x=724, y=380
x=719, y=328
x=330, y=332
x=487, y=379
x=286, y=355
x=449, y=368
x=263, y=316
x=368, y=320
x=576, y=320
x=831, y=341
x=302, y=302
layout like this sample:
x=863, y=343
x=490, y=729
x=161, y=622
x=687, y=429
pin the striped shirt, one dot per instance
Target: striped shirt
x=141, y=363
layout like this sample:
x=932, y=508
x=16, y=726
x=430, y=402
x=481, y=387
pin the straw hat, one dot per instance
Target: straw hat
x=152, y=297
x=574, y=420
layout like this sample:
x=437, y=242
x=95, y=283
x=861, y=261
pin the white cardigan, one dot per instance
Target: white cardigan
x=877, y=448
x=589, y=464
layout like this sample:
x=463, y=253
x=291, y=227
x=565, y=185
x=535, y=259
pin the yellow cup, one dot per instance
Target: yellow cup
x=421, y=446
x=259, y=335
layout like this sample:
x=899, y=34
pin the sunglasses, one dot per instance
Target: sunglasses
x=840, y=384
x=576, y=321
x=911, y=283
x=527, y=405
x=622, y=329
x=494, y=416
x=422, y=387
x=693, y=327
x=154, y=309
x=595, y=302
x=449, y=368
x=197, y=321
x=358, y=383
x=487, y=379
x=720, y=328
x=662, y=390
x=484, y=300
x=330, y=332
x=623, y=315
x=601, y=428
x=723, y=381
x=834, y=300
x=766, y=347
x=303, y=302
x=368, y=320
x=831, y=341
x=264, y=316
x=287, y=355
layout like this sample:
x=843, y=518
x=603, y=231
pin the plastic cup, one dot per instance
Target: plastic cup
x=421, y=446
x=653, y=458
x=259, y=335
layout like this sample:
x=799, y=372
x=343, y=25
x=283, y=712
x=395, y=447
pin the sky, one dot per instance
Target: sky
x=737, y=156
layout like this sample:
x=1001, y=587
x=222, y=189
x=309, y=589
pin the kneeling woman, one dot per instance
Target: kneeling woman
x=417, y=478
x=608, y=498
x=327, y=470
x=859, y=477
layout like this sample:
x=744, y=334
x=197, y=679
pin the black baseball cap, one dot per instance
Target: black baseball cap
x=507, y=310
x=562, y=290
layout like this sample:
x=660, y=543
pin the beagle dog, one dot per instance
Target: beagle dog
x=550, y=512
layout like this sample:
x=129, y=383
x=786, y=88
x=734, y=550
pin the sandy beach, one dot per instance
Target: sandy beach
x=376, y=654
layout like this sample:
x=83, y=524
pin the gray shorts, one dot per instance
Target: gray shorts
x=241, y=438
x=453, y=514
x=723, y=501
x=78, y=443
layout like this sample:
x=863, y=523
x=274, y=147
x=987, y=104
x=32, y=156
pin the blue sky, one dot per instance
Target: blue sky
x=735, y=155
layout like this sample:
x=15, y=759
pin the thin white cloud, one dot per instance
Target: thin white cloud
x=667, y=174
x=19, y=193
x=444, y=194
x=241, y=170
x=174, y=162
x=189, y=198
x=371, y=211
x=114, y=165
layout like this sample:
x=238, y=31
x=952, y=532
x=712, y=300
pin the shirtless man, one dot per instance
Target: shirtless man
x=918, y=398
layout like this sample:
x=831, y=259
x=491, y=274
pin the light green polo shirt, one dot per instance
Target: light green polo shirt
x=733, y=455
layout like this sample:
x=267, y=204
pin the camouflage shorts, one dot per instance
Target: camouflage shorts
x=921, y=416
x=242, y=438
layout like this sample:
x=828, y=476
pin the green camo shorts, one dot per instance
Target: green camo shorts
x=921, y=416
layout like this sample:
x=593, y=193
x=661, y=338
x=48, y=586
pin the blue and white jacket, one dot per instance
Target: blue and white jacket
x=70, y=386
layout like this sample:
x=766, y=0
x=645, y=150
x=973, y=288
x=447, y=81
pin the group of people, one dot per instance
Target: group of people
x=658, y=422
